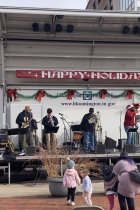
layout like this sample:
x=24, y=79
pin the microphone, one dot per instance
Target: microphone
x=97, y=112
x=61, y=114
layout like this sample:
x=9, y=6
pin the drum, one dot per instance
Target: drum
x=77, y=136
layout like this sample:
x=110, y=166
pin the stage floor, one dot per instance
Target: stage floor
x=94, y=156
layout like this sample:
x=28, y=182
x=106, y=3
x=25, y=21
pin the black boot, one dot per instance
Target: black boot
x=131, y=207
x=123, y=208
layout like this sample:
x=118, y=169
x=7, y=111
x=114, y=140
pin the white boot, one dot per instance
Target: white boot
x=68, y=202
x=72, y=203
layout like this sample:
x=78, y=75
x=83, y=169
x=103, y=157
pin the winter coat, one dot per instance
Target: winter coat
x=89, y=121
x=129, y=118
x=126, y=186
x=71, y=178
x=21, y=117
x=86, y=184
x=46, y=122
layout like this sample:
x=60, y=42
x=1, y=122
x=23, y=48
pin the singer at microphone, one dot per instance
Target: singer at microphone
x=50, y=121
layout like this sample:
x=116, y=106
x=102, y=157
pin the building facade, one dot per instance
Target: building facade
x=123, y=5
x=137, y=5
x=127, y=5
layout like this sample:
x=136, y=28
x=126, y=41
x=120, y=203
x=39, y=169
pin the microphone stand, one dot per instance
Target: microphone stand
x=120, y=125
x=30, y=127
x=65, y=132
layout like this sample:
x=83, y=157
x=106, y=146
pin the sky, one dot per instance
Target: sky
x=57, y=4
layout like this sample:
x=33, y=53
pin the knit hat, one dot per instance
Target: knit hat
x=124, y=154
x=129, y=106
x=106, y=170
x=70, y=163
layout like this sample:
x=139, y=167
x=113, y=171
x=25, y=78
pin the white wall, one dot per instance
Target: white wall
x=110, y=113
x=1, y=105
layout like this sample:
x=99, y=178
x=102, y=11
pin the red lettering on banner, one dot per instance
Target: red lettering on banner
x=76, y=74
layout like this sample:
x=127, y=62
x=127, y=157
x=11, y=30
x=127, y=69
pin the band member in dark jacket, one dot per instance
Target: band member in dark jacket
x=89, y=120
x=50, y=121
x=25, y=120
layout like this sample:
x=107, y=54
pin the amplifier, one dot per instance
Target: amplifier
x=129, y=148
x=121, y=143
x=101, y=149
x=31, y=150
x=110, y=143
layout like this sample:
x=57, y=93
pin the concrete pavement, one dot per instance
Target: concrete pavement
x=35, y=189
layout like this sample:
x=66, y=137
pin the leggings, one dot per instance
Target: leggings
x=71, y=194
x=87, y=198
x=122, y=201
x=111, y=201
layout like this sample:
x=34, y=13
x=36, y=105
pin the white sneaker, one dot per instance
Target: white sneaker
x=72, y=204
x=85, y=204
x=21, y=154
x=68, y=202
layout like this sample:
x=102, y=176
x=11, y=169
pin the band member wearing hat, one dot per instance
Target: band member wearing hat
x=25, y=120
x=49, y=121
x=129, y=122
x=89, y=120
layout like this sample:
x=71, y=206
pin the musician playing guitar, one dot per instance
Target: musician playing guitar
x=25, y=120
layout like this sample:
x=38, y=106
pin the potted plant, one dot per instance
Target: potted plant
x=54, y=164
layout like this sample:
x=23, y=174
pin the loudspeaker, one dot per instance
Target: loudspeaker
x=129, y=148
x=31, y=150
x=100, y=149
x=121, y=143
x=110, y=143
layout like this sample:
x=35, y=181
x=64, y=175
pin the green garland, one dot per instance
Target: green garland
x=81, y=94
x=23, y=96
x=56, y=96
x=138, y=94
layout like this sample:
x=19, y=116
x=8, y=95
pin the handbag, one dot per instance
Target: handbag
x=135, y=176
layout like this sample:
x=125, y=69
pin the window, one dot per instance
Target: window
x=94, y=5
x=99, y=1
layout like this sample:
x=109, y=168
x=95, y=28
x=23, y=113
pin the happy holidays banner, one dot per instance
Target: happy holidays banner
x=46, y=74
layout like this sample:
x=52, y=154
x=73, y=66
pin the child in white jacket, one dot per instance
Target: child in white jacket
x=86, y=187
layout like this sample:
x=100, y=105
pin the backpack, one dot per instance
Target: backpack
x=135, y=176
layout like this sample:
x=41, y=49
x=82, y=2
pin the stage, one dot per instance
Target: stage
x=20, y=161
x=110, y=156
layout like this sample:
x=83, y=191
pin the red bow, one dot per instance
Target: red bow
x=70, y=94
x=103, y=93
x=129, y=94
x=10, y=93
x=40, y=94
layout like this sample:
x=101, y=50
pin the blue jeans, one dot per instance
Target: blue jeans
x=130, y=136
x=88, y=136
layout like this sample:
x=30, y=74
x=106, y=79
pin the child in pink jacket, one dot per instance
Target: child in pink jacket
x=70, y=180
